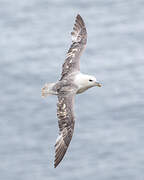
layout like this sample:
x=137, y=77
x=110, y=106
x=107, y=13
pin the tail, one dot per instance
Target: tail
x=48, y=90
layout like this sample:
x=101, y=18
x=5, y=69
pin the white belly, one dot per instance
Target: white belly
x=81, y=90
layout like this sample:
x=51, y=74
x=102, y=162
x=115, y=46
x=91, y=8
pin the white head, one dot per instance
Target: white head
x=84, y=81
x=91, y=80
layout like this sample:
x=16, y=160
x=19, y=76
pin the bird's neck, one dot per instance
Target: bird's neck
x=81, y=82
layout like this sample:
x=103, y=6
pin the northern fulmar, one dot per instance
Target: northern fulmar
x=72, y=82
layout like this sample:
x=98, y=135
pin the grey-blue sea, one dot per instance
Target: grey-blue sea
x=108, y=142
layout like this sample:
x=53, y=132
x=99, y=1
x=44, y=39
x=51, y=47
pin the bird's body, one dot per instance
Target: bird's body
x=78, y=80
x=72, y=82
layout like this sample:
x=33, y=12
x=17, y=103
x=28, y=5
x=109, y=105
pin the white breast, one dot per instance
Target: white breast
x=81, y=81
x=81, y=90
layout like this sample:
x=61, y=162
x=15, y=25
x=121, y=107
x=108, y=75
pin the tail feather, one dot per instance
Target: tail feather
x=48, y=90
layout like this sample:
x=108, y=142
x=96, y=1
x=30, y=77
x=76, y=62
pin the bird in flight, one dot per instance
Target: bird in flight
x=72, y=82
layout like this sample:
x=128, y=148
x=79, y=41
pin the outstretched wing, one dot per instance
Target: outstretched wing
x=66, y=125
x=79, y=39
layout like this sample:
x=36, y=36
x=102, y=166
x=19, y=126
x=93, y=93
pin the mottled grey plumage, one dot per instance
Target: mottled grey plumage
x=68, y=90
x=79, y=39
x=71, y=83
x=66, y=124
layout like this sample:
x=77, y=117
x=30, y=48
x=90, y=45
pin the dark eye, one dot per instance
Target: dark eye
x=90, y=80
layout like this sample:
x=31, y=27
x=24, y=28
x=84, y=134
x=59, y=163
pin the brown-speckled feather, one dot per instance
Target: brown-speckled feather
x=66, y=124
x=79, y=39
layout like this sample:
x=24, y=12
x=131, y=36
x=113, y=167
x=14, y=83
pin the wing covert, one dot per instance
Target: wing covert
x=79, y=39
x=66, y=125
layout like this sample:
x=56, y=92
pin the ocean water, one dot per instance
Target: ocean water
x=109, y=130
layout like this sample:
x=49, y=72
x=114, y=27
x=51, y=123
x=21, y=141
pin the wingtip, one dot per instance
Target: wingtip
x=80, y=20
x=78, y=15
x=60, y=150
x=56, y=163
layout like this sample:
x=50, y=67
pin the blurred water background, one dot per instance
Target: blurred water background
x=108, y=143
